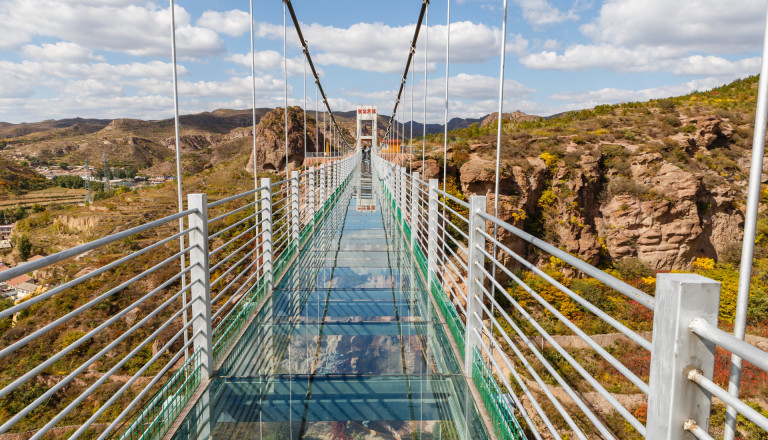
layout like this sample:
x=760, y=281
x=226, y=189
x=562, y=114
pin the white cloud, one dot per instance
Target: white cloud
x=551, y=44
x=361, y=46
x=232, y=87
x=640, y=59
x=541, y=12
x=115, y=26
x=712, y=65
x=271, y=60
x=685, y=25
x=683, y=37
x=60, y=52
x=233, y=23
x=591, y=98
x=470, y=96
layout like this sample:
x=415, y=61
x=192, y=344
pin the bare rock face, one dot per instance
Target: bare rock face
x=429, y=169
x=679, y=221
x=191, y=142
x=663, y=215
x=709, y=130
x=516, y=115
x=270, y=140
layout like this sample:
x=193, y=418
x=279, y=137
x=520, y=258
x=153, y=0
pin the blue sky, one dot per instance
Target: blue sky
x=111, y=58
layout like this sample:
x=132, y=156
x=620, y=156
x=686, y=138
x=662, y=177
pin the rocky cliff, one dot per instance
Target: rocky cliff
x=270, y=140
x=663, y=182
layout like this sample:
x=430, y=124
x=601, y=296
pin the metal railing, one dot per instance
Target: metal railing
x=522, y=337
x=118, y=350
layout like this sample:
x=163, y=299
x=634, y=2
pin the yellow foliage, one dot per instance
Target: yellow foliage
x=649, y=280
x=547, y=197
x=729, y=284
x=704, y=263
x=599, y=132
x=518, y=215
x=549, y=159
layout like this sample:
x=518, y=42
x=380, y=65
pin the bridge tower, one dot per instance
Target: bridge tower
x=366, y=113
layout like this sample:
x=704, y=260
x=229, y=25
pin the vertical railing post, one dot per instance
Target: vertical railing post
x=475, y=295
x=266, y=229
x=432, y=234
x=200, y=283
x=415, y=197
x=396, y=192
x=675, y=350
x=311, y=198
x=322, y=186
x=401, y=195
x=295, y=208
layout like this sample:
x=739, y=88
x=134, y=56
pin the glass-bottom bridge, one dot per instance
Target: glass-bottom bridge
x=348, y=346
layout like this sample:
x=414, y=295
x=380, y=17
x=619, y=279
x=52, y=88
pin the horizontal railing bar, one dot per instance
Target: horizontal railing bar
x=526, y=391
x=149, y=386
x=234, y=211
x=696, y=430
x=234, y=225
x=77, y=250
x=45, y=329
x=613, y=322
x=247, y=268
x=257, y=271
x=234, y=266
x=133, y=378
x=712, y=388
x=106, y=376
x=445, y=205
x=235, y=238
x=547, y=365
x=632, y=377
x=66, y=350
x=737, y=346
x=620, y=286
x=233, y=253
x=544, y=389
x=581, y=370
x=455, y=199
x=235, y=197
x=54, y=389
x=43, y=296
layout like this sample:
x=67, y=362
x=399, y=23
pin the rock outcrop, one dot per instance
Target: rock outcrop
x=516, y=116
x=656, y=211
x=270, y=140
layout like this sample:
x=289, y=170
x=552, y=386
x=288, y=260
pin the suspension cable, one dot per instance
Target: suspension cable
x=424, y=128
x=305, y=108
x=285, y=77
x=314, y=71
x=411, y=52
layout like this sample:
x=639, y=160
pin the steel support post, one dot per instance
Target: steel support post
x=432, y=234
x=396, y=188
x=311, y=198
x=401, y=203
x=295, y=207
x=475, y=293
x=200, y=279
x=322, y=186
x=673, y=399
x=266, y=229
x=414, y=209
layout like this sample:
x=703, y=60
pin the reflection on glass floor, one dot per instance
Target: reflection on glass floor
x=347, y=347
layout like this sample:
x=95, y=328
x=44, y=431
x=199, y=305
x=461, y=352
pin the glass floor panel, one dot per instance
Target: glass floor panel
x=348, y=346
